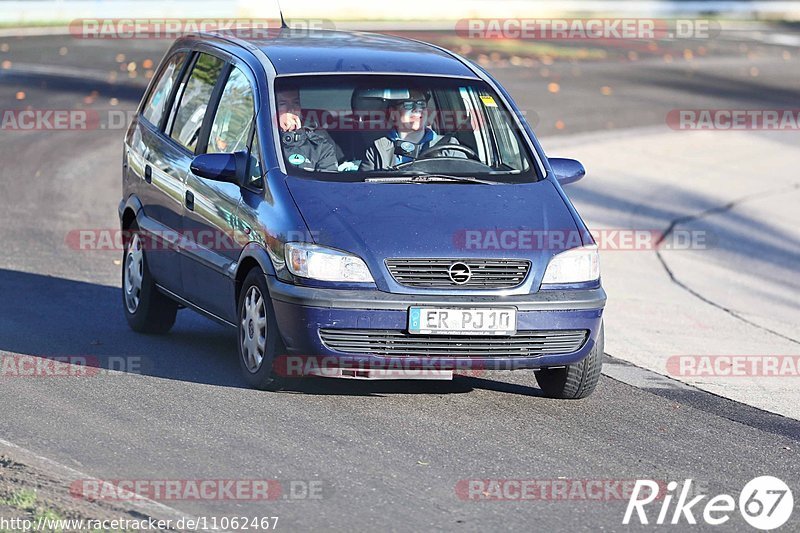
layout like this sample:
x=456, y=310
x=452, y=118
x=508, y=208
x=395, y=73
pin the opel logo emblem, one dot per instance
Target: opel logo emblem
x=460, y=273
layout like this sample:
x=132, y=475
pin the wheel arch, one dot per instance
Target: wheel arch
x=128, y=212
x=253, y=256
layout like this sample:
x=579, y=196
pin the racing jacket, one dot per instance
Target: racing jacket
x=382, y=154
x=309, y=149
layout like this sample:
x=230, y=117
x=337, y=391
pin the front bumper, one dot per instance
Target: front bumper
x=302, y=311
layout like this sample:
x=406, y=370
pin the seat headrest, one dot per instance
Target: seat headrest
x=365, y=101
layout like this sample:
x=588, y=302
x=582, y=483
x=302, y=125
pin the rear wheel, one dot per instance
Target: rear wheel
x=146, y=309
x=574, y=381
x=259, y=339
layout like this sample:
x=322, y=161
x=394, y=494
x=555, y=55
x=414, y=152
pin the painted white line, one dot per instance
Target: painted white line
x=38, y=31
x=67, y=475
x=641, y=378
x=781, y=39
x=78, y=73
x=58, y=70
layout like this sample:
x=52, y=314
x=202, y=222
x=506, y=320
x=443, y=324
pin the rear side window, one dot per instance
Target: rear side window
x=153, y=109
x=230, y=130
x=194, y=100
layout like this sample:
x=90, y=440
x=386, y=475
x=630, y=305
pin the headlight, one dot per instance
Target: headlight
x=574, y=266
x=325, y=264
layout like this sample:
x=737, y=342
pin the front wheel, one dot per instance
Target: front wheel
x=259, y=338
x=574, y=381
x=146, y=309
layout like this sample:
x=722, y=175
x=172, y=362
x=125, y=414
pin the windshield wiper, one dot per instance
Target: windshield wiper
x=428, y=178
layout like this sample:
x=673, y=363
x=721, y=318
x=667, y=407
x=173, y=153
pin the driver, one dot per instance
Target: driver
x=409, y=137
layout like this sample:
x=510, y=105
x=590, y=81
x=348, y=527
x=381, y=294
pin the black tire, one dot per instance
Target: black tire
x=574, y=381
x=259, y=376
x=153, y=312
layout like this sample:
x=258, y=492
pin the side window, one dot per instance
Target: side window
x=507, y=142
x=153, y=109
x=230, y=130
x=471, y=130
x=194, y=100
x=255, y=170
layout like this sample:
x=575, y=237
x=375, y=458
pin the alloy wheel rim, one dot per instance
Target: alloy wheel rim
x=253, y=329
x=134, y=271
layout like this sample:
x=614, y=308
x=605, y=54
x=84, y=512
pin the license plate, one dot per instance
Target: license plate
x=460, y=321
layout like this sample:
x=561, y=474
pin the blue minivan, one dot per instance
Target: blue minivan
x=356, y=205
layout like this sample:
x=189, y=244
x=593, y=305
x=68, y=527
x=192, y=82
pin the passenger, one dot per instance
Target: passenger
x=304, y=146
x=410, y=118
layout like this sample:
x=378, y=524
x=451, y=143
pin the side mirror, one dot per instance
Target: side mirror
x=567, y=170
x=229, y=168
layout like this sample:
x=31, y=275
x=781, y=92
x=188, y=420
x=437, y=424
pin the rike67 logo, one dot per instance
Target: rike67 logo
x=765, y=503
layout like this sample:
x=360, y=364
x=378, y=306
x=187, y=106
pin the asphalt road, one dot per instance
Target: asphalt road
x=387, y=455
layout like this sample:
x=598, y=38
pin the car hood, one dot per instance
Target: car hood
x=379, y=221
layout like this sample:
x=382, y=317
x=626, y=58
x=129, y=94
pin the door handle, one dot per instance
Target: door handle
x=148, y=174
x=190, y=200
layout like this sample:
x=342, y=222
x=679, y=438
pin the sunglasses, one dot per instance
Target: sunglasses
x=414, y=105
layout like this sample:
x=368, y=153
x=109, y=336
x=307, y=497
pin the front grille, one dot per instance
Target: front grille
x=434, y=273
x=395, y=342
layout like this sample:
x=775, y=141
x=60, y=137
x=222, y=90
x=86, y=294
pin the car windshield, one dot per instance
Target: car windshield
x=384, y=128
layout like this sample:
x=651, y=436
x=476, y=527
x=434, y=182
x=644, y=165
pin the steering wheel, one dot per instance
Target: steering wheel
x=441, y=148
